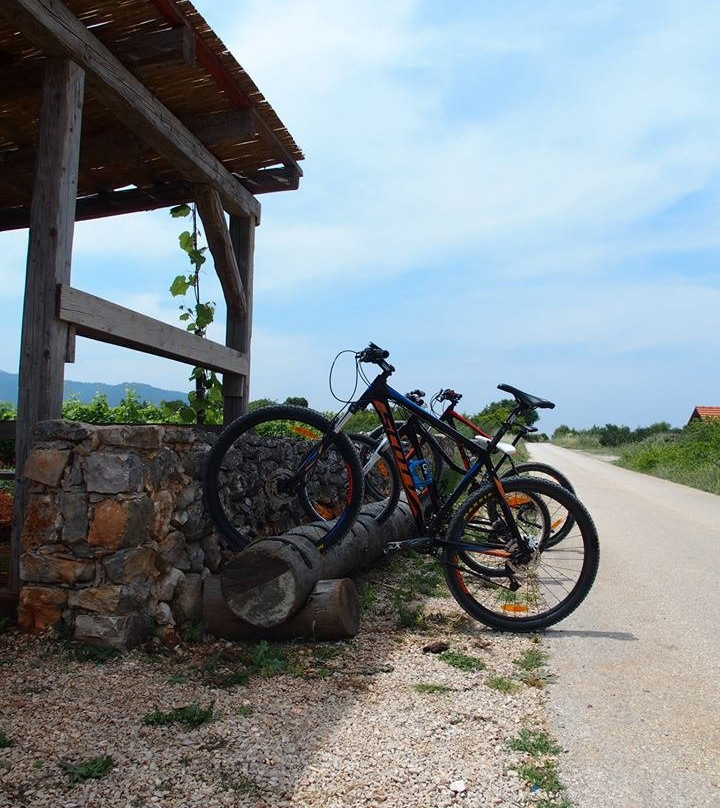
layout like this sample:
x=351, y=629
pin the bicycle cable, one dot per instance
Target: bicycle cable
x=357, y=373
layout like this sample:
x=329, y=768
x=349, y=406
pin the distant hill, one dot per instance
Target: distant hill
x=86, y=391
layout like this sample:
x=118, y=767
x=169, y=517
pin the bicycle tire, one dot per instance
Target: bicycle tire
x=382, y=481
x=542, y=470
x=292, y=483
x=553, y=582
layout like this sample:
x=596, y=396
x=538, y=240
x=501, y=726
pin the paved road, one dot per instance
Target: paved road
x=637, y=702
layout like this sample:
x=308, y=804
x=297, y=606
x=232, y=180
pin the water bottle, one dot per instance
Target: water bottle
x=420, y=473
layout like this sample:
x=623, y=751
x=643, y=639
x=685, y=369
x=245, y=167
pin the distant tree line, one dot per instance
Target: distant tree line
x=614, y=435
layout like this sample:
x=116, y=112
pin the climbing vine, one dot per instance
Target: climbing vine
x=206, y=400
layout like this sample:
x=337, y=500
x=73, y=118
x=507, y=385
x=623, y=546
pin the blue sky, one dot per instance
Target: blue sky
x=518, y=192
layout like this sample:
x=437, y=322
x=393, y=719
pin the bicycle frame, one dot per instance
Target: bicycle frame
x=379, y=394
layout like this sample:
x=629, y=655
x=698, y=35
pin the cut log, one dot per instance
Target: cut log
x=331, y=612
x=267, y=583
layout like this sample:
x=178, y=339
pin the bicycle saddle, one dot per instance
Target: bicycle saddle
x=526, y=399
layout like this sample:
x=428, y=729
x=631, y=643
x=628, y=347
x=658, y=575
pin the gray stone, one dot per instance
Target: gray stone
x=70, y=431
x=107, y=473
x=47, y=569
x=108, y=631
x=46, y=466
x=197, y=524
x=193, y=462
x=131, y=435
x=166, y=584
x=187, y=604
x=213, y=553
x=163, y=466
x=163, y=615
x=132, y=565
x=171, y=548
x=196, y=557
x=74, y=509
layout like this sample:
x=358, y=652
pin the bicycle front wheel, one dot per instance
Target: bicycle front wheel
x=279, y=467
x=514, y=588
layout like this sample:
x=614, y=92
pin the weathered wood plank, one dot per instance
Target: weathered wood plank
x=107, y=322
x=44, y=337
x=52, y=27
x=174, y=46
x=218, y=238
x=238, y=330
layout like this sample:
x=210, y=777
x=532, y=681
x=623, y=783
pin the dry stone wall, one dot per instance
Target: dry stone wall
x=116, y=542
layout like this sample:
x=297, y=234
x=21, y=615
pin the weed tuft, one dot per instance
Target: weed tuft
x=544, y=777
x=5, y=742
x=534, y=742
x=191, y=716
x=87, y=770
x=424, y=687
x=531, y=660
x=502, y=683
x=464, y=662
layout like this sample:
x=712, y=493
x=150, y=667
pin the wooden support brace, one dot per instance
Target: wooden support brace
x=218, y=237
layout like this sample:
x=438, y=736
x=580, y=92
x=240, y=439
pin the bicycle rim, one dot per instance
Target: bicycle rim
x=521, y=591
x=274, y=469
x=381, y=479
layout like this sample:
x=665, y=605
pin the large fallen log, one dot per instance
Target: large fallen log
x=270, y=581
x=331, y=612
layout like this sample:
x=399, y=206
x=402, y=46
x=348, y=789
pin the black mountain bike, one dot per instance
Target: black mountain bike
x=491, y=541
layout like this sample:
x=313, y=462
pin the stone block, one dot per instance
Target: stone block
x=132, y=565
x=213, y=553
x=74, y=510
x=163, y=467
x=40, y=607
x=121, y=523
x=109, y=631
x=187, y=604
x=46, y=569
x=171, y=549
x=107, y=473
x=164, y=504
x=131, y=435
x=40, y=525
x=111, y=598
x=196, y=556
x=46, y=466
x=166, y=584
x=61, y=430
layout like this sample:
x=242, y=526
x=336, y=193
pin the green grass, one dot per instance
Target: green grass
x=531, y=660
x=424, y=687
x=87, y=770
x=534, y=742
x=5, y=742
x=502, y=683
x=191, y=716
x=462, y=661
x=544, y=777
x=244, y=710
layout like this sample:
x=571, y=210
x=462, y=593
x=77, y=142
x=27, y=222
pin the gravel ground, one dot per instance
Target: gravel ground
x=331, y=724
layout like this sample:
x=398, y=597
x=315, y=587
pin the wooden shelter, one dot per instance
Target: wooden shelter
x=118, y=106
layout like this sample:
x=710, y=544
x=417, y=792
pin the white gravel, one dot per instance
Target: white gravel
x=348, y=730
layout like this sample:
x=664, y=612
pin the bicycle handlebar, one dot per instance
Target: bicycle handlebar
x=375, y=355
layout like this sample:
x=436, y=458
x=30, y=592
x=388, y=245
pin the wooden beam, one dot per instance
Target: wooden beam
x=101, y=320
x=238, y=330
x=51, y=26
x=174, y=46
x=97, y=206
x=218, y=238
x=44, y=338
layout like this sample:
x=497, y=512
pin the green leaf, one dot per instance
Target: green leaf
x=186, y=241
x=180, y=286
x=204, y=315
x=180, y=210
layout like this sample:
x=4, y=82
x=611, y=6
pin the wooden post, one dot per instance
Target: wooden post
x=44, y=341
x=236, y=388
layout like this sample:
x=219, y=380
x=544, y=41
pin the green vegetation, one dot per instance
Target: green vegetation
x=502, y=683
x=423, y=687
x=88, y=769
x=5, y=742
x=531, y=660
x=688, y=456
x=534, y=742
x=544, y=777
x=191, y=716
x=464, y=662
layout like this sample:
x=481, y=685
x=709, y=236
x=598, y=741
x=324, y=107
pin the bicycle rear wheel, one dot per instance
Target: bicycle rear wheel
x=279, y=467
x=561, y=526
x=381, y=478
x=520, y=590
